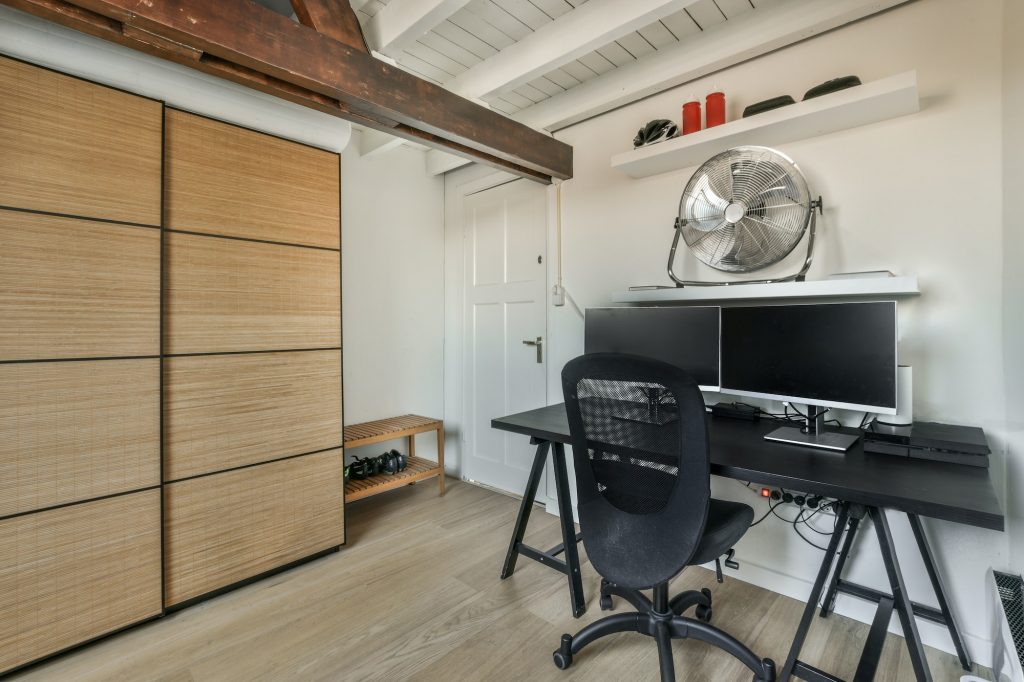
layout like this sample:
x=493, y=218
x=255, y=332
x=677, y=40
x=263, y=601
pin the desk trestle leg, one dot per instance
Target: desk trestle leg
x=569, y=536
x=940, y=592
x=525, y=507
x=904, y=608
x=793, y=666
x=571, y=565
x=833, y=584
x=898, y=601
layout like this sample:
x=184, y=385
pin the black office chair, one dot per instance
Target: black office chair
x=640, y=448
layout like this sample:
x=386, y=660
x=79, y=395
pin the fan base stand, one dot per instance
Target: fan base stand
x=687, y=283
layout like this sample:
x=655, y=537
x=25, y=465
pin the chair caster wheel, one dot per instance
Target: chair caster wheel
x=707, y=594
x=769, y=671
x=606, y=602
x=563, y=655
x=703, y=613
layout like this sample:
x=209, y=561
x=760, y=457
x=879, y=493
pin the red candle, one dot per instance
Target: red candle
x=715, y=109
x=691, y=117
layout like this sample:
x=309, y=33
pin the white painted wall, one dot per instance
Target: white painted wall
x=392, y=255
x=918, y=195
x=1013, y=267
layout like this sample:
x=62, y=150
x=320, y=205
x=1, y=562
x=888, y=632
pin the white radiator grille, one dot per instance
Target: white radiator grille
x=1008, y=637
x=1011, y=594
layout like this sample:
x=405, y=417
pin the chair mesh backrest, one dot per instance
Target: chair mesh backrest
x=632, y=441
x=640, y=453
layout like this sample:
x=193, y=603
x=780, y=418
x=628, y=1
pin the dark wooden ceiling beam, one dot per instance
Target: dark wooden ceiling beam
x=249, y=44
x=112, y=30
x=333, y=18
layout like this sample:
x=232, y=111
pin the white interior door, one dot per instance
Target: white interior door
x=505, y=327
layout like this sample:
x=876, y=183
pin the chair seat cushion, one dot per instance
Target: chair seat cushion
x=726, y=524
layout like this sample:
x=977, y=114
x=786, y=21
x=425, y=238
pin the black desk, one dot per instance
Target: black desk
x=866, y=484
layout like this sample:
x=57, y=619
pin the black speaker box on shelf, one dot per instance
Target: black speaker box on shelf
x=768, y=105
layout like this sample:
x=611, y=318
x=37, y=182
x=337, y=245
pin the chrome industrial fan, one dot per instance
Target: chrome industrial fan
x=743, y=210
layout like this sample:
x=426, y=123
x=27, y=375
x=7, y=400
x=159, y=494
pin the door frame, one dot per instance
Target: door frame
x=458, y=185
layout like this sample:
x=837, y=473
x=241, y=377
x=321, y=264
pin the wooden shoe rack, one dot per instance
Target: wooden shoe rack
x=406, y=426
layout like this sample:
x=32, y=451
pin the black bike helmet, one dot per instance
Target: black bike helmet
x=655, y=131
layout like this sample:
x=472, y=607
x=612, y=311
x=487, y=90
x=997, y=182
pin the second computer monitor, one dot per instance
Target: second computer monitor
x=836, y=355
x=687, y=337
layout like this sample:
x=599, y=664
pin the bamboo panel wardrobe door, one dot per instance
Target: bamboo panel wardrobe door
x=72, y=573
x=253, y=467
x=230, y=295
x=77, y=148
x=234, y=182
x=80, y=241
x=224, y=412
x=233, y=525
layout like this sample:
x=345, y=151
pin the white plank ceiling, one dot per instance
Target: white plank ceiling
x=482, y=28
x=552, y=63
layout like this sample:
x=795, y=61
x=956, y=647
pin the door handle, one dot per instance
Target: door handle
x=539, y=343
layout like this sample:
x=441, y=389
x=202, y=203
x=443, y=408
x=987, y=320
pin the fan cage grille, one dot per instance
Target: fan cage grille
x=745, y=209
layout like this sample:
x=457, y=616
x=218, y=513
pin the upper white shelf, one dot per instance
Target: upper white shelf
x=860, y=105
x=885, y=287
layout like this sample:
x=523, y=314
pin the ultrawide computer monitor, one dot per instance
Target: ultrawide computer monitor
x=830, y=355
x=687, y=337
x=834, y=354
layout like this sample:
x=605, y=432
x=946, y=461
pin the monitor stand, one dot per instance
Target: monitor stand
x=816, y=435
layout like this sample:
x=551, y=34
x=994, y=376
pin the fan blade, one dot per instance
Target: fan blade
x=775, y=202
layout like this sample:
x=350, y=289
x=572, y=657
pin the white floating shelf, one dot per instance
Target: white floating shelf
x=879, y=287
x=860, y=105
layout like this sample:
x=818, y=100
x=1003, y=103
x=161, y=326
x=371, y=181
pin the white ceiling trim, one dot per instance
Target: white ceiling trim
x=572, y=35
x=775, y=24
x=359, y=4
x=401, y=22
x=373, y=142
x=439, y=162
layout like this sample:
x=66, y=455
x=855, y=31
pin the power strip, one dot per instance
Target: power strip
x=800, y=500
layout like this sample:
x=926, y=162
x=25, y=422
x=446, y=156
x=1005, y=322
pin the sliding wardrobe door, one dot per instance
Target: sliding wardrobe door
x=232, y=525
x=253, y=466
x=234, y=182
x=234, y=296
x=80, y=242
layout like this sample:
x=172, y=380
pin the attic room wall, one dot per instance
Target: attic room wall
x=392, y=250
x=916, y=195
x=1013, y=272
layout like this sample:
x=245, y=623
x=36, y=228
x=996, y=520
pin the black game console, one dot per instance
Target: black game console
x=929, y=441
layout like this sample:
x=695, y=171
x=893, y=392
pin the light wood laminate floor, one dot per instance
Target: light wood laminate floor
x=416, y=595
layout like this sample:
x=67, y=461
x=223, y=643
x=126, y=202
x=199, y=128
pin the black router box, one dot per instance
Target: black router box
x=929, y=440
